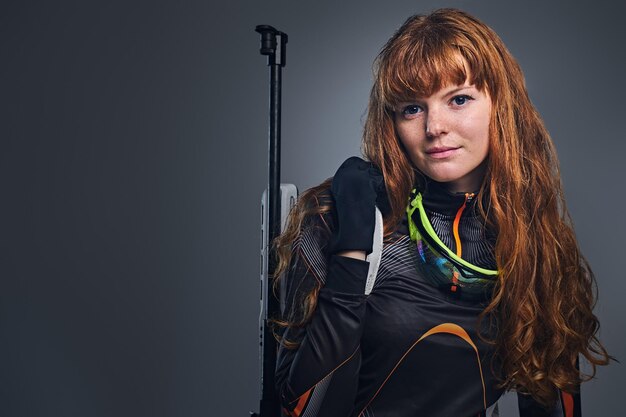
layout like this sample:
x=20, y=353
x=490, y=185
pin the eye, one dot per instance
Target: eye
x=411, y=111
x=462, y=99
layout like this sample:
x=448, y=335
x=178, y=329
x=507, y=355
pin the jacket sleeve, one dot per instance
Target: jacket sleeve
x=567, y=405
x=319, y=376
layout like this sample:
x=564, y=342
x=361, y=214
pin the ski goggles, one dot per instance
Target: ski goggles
x=440, y=265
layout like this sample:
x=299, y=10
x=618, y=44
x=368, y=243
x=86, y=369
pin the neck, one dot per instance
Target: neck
x=470, y=183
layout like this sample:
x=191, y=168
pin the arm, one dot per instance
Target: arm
x=567, y=405
x=320, y=376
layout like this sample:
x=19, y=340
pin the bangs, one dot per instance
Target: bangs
x=419, y=69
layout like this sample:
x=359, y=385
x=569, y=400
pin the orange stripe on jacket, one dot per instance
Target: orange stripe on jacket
x=455, y=225
x=301, y=403
x=449, y=328
x=568, y=404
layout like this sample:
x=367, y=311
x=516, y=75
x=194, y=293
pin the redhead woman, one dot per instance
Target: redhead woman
x=481, y=292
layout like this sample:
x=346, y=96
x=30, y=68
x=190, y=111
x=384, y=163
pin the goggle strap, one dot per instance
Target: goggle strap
x=419, y=229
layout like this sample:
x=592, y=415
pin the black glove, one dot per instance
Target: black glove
x=357, y=187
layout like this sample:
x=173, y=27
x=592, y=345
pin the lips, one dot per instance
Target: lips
x=440, y=149
x=442, y=152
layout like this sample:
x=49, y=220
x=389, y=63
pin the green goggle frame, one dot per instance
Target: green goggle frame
x=438, y=262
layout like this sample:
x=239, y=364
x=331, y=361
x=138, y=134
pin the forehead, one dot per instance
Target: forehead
x=425, y=75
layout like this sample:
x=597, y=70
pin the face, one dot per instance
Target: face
x=446, y=135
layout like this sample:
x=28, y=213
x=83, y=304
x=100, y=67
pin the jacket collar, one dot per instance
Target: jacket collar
x=436, y=197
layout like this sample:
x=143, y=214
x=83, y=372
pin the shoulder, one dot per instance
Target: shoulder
x=318, y=219
x=309, y=231
x=315, y=207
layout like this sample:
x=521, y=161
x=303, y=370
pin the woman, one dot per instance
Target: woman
x=481, y=288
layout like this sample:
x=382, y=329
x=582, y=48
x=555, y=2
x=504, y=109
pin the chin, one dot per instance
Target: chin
x=444, y=177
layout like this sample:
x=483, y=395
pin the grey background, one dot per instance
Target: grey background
x=132, y=160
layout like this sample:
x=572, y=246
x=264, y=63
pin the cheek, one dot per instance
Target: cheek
x=477, y=129
x=402, y=137
x=409, y=145
x=485, y=123
x=407, y=136
x=485, y=135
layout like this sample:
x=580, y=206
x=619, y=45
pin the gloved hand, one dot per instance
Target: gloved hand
x=357, y=187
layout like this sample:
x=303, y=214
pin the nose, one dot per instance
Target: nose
x=435, y=123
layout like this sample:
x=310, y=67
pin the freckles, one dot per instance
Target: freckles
x=404, y=135
x=410, y=132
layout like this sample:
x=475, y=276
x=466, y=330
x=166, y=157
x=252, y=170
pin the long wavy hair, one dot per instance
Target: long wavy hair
x=543, y=299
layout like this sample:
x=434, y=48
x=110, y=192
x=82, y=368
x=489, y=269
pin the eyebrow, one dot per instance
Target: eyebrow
x=456, y=90
x=448, y=94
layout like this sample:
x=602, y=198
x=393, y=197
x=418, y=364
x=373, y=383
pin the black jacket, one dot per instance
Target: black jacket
x=407, y=349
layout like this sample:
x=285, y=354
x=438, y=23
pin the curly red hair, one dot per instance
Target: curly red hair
x=543, y=300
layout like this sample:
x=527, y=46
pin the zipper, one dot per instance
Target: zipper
x=457, y=238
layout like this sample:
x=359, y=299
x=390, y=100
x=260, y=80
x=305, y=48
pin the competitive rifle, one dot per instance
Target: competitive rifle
x=275, y=204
